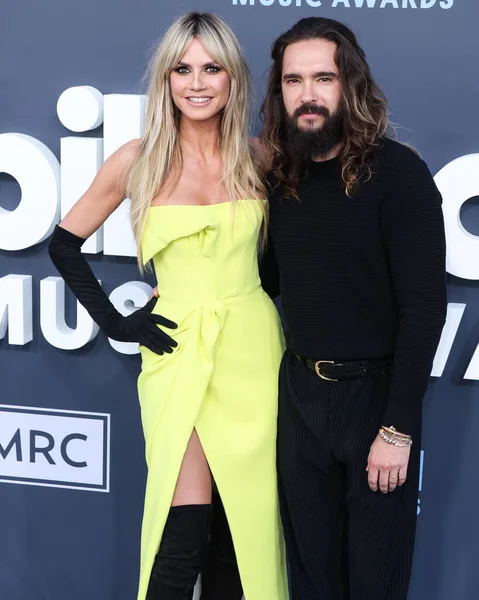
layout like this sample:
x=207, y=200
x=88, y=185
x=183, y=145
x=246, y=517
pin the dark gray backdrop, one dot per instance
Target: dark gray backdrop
x=59, y=543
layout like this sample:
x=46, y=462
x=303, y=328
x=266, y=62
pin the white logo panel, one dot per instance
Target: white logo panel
x=55, y=448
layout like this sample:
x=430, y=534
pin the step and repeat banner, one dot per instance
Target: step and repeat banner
x=72, y=469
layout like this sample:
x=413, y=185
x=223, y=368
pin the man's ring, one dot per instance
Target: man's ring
x=392, y=476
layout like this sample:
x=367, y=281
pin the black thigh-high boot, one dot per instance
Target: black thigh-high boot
x=220, y=579
x=182, y=553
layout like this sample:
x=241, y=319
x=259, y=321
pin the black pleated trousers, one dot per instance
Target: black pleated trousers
x=344, y=541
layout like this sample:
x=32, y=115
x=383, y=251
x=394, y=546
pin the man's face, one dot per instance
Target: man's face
x=310, y=83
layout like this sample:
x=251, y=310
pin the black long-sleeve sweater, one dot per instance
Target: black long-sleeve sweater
x=364, y=276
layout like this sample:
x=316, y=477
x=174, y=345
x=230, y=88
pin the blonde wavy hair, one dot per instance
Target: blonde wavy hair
x=160, y=147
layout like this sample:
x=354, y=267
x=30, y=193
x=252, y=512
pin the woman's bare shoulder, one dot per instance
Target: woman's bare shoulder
x=127, y=153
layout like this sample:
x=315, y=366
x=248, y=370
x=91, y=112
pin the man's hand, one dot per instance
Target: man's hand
x=387, y=464
x=154, y=293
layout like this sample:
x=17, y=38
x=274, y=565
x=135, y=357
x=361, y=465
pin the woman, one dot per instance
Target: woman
x=208, y=387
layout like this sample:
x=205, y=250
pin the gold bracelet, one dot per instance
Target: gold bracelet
x=391, y=436
x=394, y=432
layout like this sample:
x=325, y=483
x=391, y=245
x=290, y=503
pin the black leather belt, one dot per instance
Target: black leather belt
x=338, y=370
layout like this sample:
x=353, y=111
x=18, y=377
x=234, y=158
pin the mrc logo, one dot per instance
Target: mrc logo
x=45, y=447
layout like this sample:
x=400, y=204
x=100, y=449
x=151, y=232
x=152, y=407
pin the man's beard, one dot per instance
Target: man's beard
x=315, y=141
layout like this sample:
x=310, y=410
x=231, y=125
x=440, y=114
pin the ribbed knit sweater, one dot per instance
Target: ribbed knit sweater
x=364, y=276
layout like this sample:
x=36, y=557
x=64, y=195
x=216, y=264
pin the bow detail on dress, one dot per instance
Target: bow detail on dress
x=164, y=227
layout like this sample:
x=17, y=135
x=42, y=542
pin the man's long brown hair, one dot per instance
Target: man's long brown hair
x=364, y=106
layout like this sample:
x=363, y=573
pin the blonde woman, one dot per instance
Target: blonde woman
x=212, y=345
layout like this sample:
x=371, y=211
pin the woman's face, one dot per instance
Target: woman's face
x=199, y=85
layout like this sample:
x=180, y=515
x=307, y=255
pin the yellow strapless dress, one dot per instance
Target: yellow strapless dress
x=220, y=380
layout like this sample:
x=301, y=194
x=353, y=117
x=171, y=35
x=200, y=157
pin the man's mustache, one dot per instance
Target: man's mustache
x=307, y=109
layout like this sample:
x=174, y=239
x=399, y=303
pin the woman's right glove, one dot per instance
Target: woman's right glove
x=140, y=326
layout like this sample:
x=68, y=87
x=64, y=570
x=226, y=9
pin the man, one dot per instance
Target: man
x=357, y=253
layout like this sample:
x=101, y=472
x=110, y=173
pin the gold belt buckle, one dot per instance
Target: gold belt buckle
x=318, y=372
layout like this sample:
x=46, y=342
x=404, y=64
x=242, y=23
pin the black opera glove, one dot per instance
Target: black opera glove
x=141, y=326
